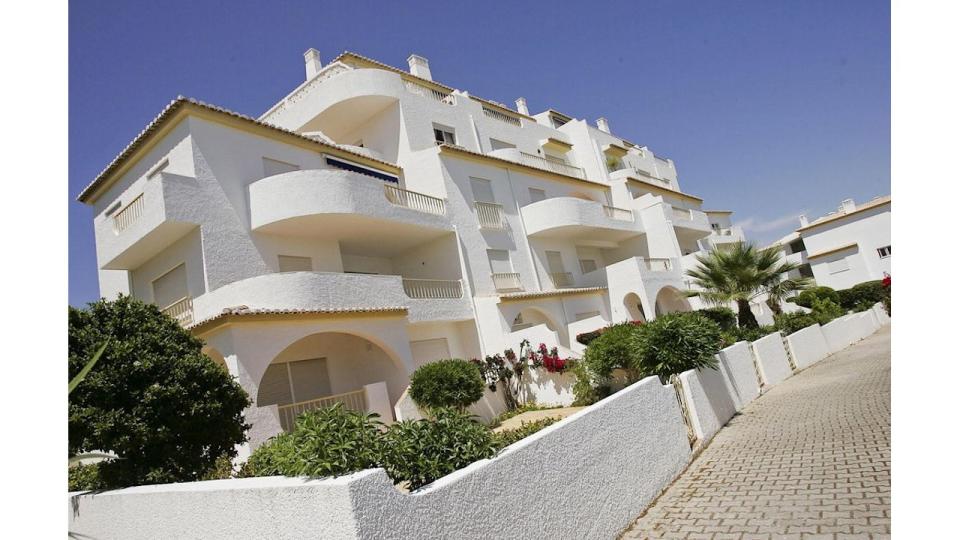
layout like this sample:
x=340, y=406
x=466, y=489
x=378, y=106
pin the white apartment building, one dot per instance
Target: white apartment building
x=374, y=220
x=842, y=248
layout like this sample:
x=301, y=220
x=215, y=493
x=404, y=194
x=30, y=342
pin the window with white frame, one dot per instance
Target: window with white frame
x=500, y=261
x=884, y=252
x=443, y=134
x=839, y=265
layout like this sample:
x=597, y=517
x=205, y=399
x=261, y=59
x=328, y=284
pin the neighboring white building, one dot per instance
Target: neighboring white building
x=842, y=248
x=374, y=220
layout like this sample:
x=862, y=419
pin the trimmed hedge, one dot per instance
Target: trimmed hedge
x=446, y=383
x=807, y=297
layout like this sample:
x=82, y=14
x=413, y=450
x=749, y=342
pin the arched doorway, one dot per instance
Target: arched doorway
x=326, y=368
x=671, y=300
x=634, y=307
x=530, y=316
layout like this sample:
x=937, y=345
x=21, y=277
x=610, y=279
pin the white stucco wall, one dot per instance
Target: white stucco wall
x=739, y=368
x=582, y=454
x=708, y=400
x=808, y=346
x=772, y=359
x=840, y=333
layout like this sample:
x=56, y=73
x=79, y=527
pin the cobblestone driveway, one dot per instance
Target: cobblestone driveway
x=810, y=459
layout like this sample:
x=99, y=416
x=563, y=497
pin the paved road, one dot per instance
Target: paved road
x=810, y=459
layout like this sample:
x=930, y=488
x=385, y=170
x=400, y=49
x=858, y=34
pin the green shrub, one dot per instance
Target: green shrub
x=615, y=348
x=324, y=442
x=676, y=342
x=420, y=451
x=584, y=393
x=507, y=437
x=84, y=478
x=747, y=334
x=723, y=316
x=587, y=337
x=806, y=297
x=825, y=310
x=222, y=469
x=446, y=383
x=789, y=323
x=154, y=399
x=867, y=293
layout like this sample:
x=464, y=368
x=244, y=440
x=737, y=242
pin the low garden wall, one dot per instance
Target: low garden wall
x=708, y=399
x=772, y=361
x=740, y=372
x=808, y=346
x=567, y=481
x=840, y=333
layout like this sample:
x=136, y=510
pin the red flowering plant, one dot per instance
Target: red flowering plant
x=508, y=369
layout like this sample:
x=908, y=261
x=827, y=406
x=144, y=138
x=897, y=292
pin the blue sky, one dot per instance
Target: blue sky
x=769, y=108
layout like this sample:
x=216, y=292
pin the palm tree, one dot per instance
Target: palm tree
x=741, y=274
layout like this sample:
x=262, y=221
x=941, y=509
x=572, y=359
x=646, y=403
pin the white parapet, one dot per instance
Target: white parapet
x=772, y=361
x=808, y=346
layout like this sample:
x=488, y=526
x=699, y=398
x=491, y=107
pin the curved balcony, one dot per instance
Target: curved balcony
x=425, y=300
x=576, y=219
x=346, y=206
x=538, y=162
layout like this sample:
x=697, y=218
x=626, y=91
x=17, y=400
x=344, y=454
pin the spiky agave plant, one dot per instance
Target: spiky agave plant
x=741, y=274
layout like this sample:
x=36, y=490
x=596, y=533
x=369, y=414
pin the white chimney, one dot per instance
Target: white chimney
x=311, y=59
x=522, y=106
x=603, y=125
x=803, y=220
x=420, y=67
x=847, y=206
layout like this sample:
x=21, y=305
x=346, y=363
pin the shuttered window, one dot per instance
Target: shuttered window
x=499, y=261
x=293, y=382
x=170, y=287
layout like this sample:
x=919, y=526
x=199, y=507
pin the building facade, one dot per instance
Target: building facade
x=843, y=248
x=374, y=220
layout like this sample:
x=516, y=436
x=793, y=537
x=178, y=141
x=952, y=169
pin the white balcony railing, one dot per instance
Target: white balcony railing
x=561, y=280
x=619, y=214
x=657, y=265
x=433, y=288
x=497, y=115
x=532, y=160
x=181, y=311
x=128, y=214
x=682, y=213
x=504, y=281
x=354, y=401
x=647, y=174
x=413, y=200
x=490, y=215
x=443, y=97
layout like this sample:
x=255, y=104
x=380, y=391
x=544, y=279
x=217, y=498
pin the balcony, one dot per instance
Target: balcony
x=641, y=174
x=351, y=401
x=147, y=223
x=425, y=300
x=695, y=221
x=346, y=206
x=431, y=93
x=506, y=281
x=490, y=215
x=574, y=219
x=537, y=162
x=181, y=311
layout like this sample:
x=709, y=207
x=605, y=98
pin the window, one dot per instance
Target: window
x=500, y=261
x=274, y=166
x=482, y=190
x=839, y=265
x=555, y=262
x=171, y=287
x=442, y=134
x=292, y=382
x=715, y=227
x=290, y=263
x=587, y=265
x=884, y=252
x=797, y=246
x=537, y=195
x=500, y=145
x=557, y=121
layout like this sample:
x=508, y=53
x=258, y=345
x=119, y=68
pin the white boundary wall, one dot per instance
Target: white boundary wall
x=808, y=346
x=772, y=361
x=840, y=333
x=545, y=486
x=740, y=372
x=709, y=402
x=881, y=314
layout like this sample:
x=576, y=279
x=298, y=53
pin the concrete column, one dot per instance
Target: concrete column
x=311, y=60
x=378, y=401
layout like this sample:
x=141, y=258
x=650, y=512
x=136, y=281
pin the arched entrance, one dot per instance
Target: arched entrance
x=531, y=316
x=326, y=368
x=634, y=307
x=671, y=300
